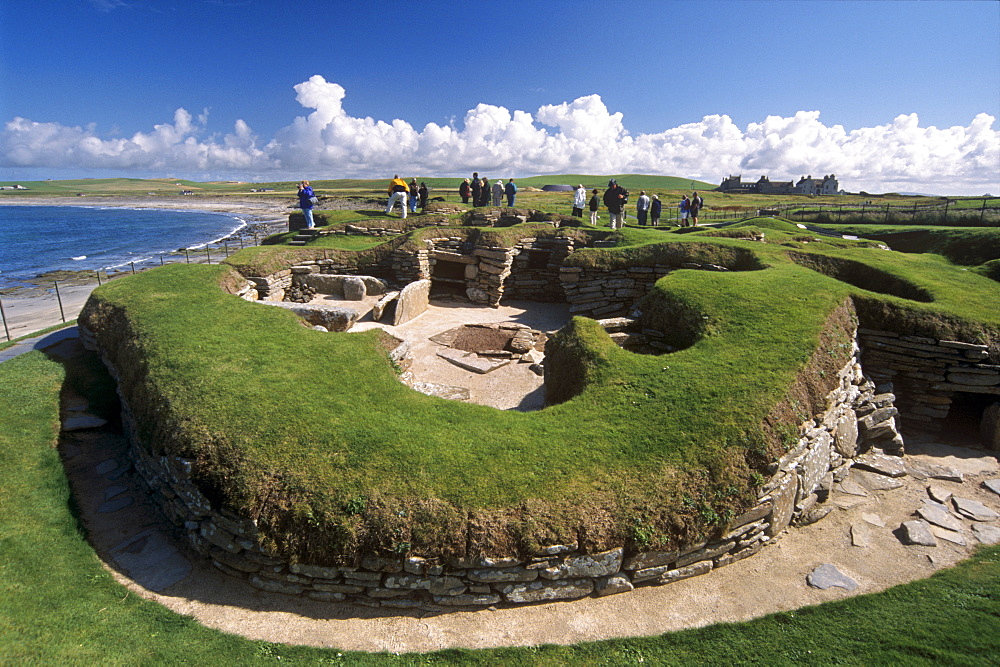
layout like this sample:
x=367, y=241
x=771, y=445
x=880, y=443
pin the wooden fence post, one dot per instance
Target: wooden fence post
x=3, y=316
x=62, y=314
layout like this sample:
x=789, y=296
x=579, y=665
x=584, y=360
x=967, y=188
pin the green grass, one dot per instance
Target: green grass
x=59, y=606
x=333, y=399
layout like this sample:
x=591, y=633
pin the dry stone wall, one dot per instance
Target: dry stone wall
x=927, y=372
x=598, y=294
x=796, y=491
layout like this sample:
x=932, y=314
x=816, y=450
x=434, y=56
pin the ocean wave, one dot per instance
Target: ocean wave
x=242, y=225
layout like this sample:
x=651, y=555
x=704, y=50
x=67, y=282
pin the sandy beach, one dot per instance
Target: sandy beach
x=32, y=309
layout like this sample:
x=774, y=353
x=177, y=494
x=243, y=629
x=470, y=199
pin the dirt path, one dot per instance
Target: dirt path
x=139, y=546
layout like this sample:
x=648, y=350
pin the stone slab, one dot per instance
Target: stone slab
x=82, y=421
x=151, y=560
x=935, y=515
x=917, y=532
x=848, y=502
x=470, y=361
x=113, y=491
x=935, y=471
x=412, y=301
x=939, y=494
x=616, y=583
x=873, y=481
x=332, y=318
x=851, y=487
x=115, y=504
x=379, y=308
x=890, y=466
x=986, y=534
x=827, y=576
x=538, y=591
x=450, y=392
x=861, y=534
x=952, y=536
x=993, y=485
x=973, y=509
x=354, y=288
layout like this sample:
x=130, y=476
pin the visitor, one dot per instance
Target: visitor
x=614, y=200
x=595, y=203
x=423, y=193
x=655, y=208
x=695, y=206
x=414, y=196
x=579, y=201
x=307, y=199
x=464, y=191
x=498, y=193
x=484, y=192
x=685, y=209
x=511, y=191
x=642, y=207
x=477, y=188
x=397, y=193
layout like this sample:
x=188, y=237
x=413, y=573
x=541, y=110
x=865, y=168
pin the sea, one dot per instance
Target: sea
x=36, y=240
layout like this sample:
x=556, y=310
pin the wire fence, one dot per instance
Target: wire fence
x=62, y=300
x=978, y=212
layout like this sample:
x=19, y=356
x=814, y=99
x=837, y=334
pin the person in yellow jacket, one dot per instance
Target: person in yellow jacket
x=397, y=193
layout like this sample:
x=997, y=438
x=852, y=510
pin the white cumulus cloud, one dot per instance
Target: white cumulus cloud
x=581, y=136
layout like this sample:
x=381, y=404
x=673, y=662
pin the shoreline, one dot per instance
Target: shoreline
x=35, y=306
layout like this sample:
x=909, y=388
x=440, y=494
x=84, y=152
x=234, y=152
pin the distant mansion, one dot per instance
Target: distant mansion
x=807, y=185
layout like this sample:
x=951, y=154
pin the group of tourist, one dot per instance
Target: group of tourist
x=647, y=209
x=689, y=210
x=408, y=195
x=479, y=192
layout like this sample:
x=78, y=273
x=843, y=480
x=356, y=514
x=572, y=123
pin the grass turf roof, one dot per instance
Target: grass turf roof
x=312, y=434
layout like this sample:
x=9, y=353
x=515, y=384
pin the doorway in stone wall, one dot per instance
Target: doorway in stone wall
x=965, y=417
x=448, y=278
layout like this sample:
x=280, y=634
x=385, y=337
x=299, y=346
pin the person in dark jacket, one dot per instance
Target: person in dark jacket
x=414, y=195
x=511, y=191
x=654, y=211
x=594, y=205
x=477, y=189
x=306, y=195
x=423, y=193
x=614, y=199
x=465, y=191
x=484, y=192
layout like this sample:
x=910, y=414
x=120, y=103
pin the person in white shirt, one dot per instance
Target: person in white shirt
x=579, y=201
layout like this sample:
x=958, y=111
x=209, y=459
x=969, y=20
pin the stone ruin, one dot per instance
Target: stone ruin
x=853, y=441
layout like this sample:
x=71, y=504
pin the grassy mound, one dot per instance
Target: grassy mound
x=58, y=605
x=312, y=435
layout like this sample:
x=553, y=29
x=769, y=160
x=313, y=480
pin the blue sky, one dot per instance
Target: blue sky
x=889, y=95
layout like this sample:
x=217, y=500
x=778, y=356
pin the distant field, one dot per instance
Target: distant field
x=719, y=206
x=112, y=186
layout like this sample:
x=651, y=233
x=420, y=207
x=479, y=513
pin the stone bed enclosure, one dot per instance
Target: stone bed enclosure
x=887, y=376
